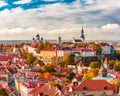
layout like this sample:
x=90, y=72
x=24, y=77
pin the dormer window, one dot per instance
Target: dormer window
x=105, y=88
x=84, y=90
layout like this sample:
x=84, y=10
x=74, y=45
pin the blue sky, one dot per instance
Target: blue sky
x=22, y=19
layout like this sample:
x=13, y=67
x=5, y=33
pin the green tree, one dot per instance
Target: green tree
x=30, y=58
x=117, y=66
x=94, y=64
x=71, y=76
x=3, y=92
x=111, y=64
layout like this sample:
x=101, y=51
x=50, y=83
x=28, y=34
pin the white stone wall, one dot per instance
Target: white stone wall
x=106, y=49
x=88, y=54
x=95, y=93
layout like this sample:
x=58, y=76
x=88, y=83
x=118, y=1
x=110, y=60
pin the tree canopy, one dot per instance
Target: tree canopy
x=95, y=64
x=3, y=92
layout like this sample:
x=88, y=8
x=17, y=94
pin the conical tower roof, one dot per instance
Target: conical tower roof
x=106, y=61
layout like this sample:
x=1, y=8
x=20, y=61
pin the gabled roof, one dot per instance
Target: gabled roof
x=94, y=85
x=46, y=89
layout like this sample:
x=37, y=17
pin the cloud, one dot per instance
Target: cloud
x=66, y=20
x=2, y=3
x=22, y=2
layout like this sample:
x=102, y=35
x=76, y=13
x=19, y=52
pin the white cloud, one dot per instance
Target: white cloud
x=90, y=1
x=22, y=1
x=61, y=19
x=2, y=3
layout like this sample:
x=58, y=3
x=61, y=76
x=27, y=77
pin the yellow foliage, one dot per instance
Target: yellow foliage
x=88, y=76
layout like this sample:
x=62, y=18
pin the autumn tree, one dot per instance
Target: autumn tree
x=61, y=63
x=48, y=68
x=30, y=58
x=38, y=62
x=95, y=71
x=47, y=75
x=39, y=47
x=117, y=66
x=3, y=92
x=111, y=64
x=47, y=44
x=82, y=44
x=66, y=59
x=96, y=47
x=94, y=64
x=88, y=76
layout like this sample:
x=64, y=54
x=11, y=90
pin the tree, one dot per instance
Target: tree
x=3, y=92
x=66, y=59
x=62, y=63
x=47, y=44
x=30, y=58
x=111, y=64
x=96, y=47
x=82, y=44
x=116, y=66
x=47, y=75
x=88, y=76
x=94, y=64
x=39, y=47
x=38, y=62
x=95, y=71
x=48, y=68
x=71, y=76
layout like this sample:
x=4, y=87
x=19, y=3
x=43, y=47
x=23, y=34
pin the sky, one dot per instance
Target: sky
x=23, y=19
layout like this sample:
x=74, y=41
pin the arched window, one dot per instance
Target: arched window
x=84, y=90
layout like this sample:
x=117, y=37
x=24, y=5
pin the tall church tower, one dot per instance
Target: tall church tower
x=82, y=35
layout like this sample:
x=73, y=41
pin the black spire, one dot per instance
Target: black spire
x=82, y=34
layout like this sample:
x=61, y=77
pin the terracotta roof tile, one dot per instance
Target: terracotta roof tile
x=98, y=85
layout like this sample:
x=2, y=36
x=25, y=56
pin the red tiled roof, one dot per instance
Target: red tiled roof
x=5, y=58
x=98, y=85
x=48, y=49
x=83, y=49
x=36, y=90
x=33, y=45
x=104, y=44
x=30, y=74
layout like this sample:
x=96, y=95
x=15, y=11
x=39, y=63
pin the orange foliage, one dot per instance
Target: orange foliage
x=84, y=71
x=47, y=75
x=95, y=71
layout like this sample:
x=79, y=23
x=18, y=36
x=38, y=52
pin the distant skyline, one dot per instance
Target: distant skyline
x=23, y=19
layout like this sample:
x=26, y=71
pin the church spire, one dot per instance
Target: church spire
x=82, y=34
